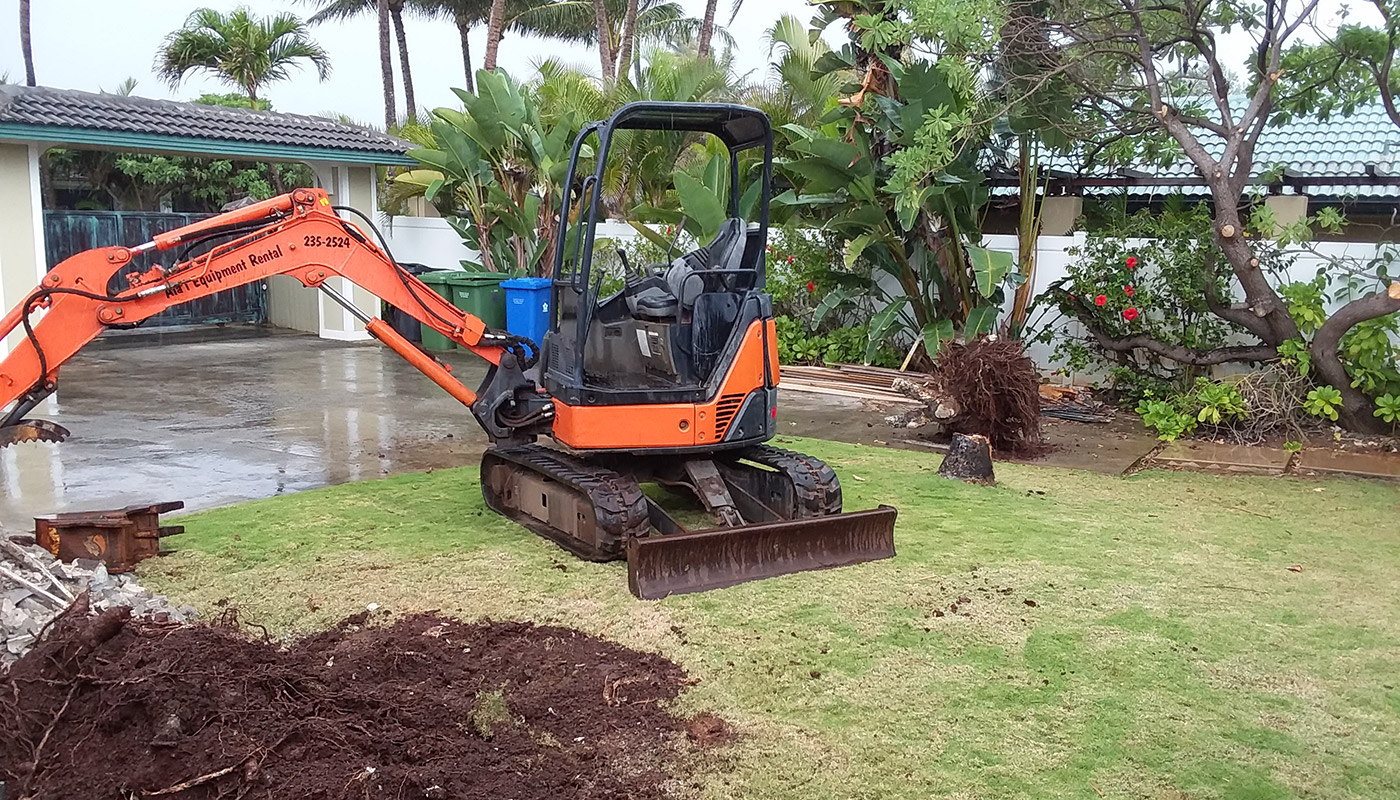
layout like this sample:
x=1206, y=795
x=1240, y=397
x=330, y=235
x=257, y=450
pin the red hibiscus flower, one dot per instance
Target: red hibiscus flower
x=812, y=286
x=1100, y=300
x=1128, y=290
x=791, y=259
x=1131, y=314
x=1132, y=262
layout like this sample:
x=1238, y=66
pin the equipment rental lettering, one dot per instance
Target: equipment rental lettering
x=218, y=275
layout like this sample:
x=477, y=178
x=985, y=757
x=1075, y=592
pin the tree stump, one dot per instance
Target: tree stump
x=969, y=459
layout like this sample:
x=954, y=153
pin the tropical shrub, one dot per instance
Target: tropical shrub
x=494, y=173
x=846, y=345
x=1141, y=275
x=1210, y=405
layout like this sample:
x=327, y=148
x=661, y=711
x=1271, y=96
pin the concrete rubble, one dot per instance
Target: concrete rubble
x=35, y=587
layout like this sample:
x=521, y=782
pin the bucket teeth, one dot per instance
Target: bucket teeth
x=32, y=430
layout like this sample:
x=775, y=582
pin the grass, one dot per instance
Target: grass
x=1136, y=637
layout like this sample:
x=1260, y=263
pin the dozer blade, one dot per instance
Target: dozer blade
x=678, y=563
x=32, y=430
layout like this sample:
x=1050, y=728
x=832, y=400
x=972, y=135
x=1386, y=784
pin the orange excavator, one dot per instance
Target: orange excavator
x=671, y=380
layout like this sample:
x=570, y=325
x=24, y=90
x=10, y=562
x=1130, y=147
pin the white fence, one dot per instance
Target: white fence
x=431, y=241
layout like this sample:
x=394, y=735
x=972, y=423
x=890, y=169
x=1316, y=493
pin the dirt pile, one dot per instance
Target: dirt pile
x=108, y=707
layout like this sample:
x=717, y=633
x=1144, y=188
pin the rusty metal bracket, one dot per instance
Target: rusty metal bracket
x=119, y=538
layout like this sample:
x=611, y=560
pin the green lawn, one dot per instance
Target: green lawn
x=1169, y=653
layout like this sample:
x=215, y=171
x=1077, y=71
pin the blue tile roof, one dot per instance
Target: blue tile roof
x=1349, y=148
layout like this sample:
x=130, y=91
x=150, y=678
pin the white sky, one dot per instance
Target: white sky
x=95, y=44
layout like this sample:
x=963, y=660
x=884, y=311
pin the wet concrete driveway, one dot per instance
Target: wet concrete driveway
x=217, y=422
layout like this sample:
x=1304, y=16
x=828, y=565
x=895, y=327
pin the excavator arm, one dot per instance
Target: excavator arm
x=297, y=234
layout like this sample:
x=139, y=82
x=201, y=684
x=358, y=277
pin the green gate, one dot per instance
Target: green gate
x=69, y=232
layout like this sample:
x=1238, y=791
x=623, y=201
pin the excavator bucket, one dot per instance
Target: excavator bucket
x=679, y=563
x=32, y=430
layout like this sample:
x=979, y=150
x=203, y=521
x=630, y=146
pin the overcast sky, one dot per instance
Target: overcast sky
x=95, y=44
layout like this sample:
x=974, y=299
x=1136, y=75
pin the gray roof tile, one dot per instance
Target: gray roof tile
x=66, y=108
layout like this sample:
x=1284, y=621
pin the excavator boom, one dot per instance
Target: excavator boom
x=296, y=234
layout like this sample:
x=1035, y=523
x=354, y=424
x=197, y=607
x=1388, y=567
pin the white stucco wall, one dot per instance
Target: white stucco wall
x=22, y=263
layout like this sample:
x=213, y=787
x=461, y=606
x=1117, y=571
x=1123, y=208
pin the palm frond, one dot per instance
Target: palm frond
x=340, y=10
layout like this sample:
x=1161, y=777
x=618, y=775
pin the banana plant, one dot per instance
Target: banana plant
x=701, y=203
x=892, y=170
x=495, y=173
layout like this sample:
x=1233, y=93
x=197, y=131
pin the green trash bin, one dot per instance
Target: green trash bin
x=440, y=282
x=477, y=293
x=480, y=294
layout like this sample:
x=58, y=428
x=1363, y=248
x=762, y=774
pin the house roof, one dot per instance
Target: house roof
x=65, y=116
x=1342, y=157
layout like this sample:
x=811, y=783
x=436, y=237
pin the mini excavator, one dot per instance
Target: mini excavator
x=671, y=380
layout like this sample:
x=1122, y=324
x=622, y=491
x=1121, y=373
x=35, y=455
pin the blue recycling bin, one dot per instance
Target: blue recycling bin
x=527, y=307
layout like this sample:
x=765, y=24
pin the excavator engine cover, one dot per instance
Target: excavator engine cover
x=679, y=563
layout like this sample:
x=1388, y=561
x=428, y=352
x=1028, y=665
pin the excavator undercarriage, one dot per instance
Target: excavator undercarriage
x=666, y=387
x=780, y=513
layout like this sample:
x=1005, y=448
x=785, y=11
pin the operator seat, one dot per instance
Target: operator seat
x=665, y=297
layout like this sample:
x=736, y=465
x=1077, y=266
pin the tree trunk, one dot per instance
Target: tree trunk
x=410, y=102
x=969, y=459
x=386, y=65
x=707, y=28
x=629, y=35
x=464, y=29
x=605, y=53
x=1027, y=233
x=25, y=45
x=1357, y=412
x=495, y=28
x=1265, y=314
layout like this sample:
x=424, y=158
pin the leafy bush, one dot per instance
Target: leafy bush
x=797, y=345
x=1209, y=403
x=1388, y=408
x=1324, y=402
x=1143, y=274
x=799, y=268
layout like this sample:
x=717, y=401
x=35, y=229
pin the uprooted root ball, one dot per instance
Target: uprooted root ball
x=987, y=387
x=426, y=707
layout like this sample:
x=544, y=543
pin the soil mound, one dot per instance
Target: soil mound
x=109, y=707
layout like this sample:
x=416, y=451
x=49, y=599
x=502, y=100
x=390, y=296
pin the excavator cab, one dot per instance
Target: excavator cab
x=667, y=333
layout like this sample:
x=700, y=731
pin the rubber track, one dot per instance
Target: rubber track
x=817, y=487
x=618, y=503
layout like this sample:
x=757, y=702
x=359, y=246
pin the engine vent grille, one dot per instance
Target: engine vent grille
x=724, y=412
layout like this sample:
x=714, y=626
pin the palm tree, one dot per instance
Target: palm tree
x=800, y=90
x=707, y=27
x=465, y=15
x=495, y=29
x=605, y=52
x=341, y=10
x=641, y=163
x=629, y=36
x=386, y=61
x=242, y=50
x=24, y=43
x=576, y=20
